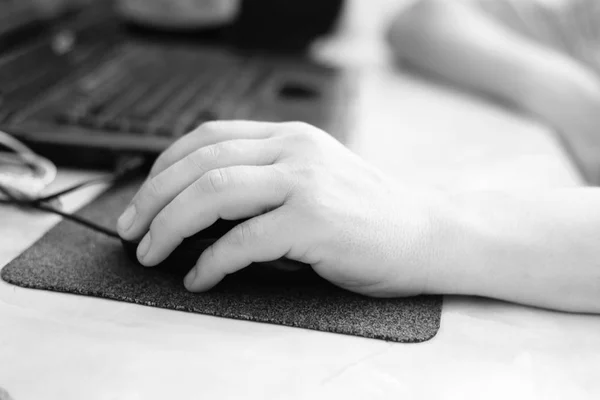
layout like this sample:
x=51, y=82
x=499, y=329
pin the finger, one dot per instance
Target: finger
x=160, y=190
x=259, y=239
x=229, y=193
x=211, y=133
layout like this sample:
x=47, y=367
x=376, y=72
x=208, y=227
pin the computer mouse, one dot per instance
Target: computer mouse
x=185, y=256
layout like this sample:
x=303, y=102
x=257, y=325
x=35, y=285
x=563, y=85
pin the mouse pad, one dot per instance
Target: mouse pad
x=73, y=259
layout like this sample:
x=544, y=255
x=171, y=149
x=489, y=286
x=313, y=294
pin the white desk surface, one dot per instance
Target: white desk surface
x=59, y=346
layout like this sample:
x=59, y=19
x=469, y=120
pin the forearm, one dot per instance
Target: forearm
x=541, y=250
x=461, y=45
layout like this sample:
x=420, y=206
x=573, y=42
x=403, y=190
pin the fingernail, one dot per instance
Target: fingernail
x=144, y=246
x=190, y=278
x=126, y=219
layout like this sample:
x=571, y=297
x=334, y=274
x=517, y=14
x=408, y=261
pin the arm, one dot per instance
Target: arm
x=537, y=249
x=308, y=198
x=459, y=44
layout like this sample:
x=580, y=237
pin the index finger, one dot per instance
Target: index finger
x=208, y=134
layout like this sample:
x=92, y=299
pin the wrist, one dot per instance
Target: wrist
x=456, y=246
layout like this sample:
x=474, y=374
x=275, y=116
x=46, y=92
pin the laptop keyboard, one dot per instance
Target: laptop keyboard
x=153, y=90
x=85, y=87
x=130, y=87
x=91, y=83
x=122, y=85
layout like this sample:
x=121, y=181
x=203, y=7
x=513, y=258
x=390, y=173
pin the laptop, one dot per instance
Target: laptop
x=86, y=87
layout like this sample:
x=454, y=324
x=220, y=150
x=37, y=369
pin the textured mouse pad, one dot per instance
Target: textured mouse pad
x=73, y=259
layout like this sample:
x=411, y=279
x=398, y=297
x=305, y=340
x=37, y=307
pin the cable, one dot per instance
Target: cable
x=71, y=217
x=45, y=172
x=43, y=169
x=128, y=167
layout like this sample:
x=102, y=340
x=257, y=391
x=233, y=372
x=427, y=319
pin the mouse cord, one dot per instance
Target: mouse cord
x=130, y=167
x=52, y=210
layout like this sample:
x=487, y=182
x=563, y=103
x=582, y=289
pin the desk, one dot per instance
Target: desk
x=57, y=346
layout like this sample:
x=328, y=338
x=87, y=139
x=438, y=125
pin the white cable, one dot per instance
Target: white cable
x=33, y=173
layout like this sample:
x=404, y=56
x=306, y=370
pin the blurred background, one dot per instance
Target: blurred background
x=538, y=57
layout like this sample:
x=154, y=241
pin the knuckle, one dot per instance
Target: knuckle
x=210, y=252
x=152, y=189
x=308, y=177
x=200, y=158
x=193, y=162
x=298, y=126
x=209, y=126
x=159, y=165
x=283, y=176
x=302, y=134
x=217, y=180
x=160, y=224
x=214, y=151
x=244, y=233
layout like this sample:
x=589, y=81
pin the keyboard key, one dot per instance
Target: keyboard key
x=163, y=131
x=64, y=119
x=88, y=121
x=133, y=125
x=111, y=124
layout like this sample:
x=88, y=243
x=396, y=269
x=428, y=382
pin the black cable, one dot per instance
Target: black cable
x=127, y=170
x=73, y=188
x=70, y=217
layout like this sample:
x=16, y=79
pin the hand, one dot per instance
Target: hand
x=179, y=13
x=311, y=199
